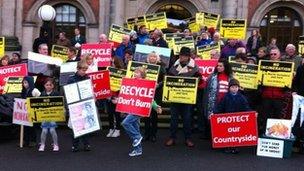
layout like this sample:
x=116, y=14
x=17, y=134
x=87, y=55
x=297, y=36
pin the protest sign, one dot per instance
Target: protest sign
x=211, y=20
x=60, y=52
x=101, y=84
x=81, y=90
x=116, y=33
x=142, y=52
x=169, y=38
x=234, y=129
x=151, y=70
x=206, y=67
x=13, y=85
x=42, y=64
x=136, y=96
x=180, y=90
x=83, y=117
x=66, y=71
x=275, y=73
x=101, y=52
x=193, y=26
x=116, y=76
x=46, y=109
x=270, y=148
x=131, y=22
x=199, y=18
x=2, y=46
x=141, y=20
x=204, y=51
x=278, y=128
x=156, y=21
x=233, y=28
x=301, y=45
x=9, y=71
x=182, y=42
x=246, y=74
x=20, y=114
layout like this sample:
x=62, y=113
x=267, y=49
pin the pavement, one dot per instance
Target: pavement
x=112, y=154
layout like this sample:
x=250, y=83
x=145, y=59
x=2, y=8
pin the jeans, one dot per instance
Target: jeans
x=185, y=111
x=132, y=127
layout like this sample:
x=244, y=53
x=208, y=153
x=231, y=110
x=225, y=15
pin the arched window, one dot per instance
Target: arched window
x=68, y=17
x=282, y=23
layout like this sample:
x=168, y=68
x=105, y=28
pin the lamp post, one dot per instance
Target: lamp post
x=46, y=13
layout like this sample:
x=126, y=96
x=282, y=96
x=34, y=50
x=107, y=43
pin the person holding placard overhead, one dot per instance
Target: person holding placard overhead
x=183, y=67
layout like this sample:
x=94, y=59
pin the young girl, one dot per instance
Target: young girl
x=49, y=91
x=131, y=122
x=91, y=62
x=29, y=90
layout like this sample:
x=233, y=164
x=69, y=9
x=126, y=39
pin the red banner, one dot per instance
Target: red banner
x=234, y=129
x=19, y=70
x=101, y=84
x=136, y=96
x=101, y=52
x=206, y=67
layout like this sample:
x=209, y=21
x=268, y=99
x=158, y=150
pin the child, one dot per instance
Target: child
x=233, y=101
x=80, y=75
x=49, y=91
x=131, y=122
x=29, y=90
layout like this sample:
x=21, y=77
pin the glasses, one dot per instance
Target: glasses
x=272, y=54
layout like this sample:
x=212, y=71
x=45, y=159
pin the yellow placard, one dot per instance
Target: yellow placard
x=169, y=38
x=13, y=85
x=199, y=18
x=246, y=74
x=157, y=21
x=182, y=42
x=301, y=45
x=233, y=28
x=131, y=22
x=60, y=52
x=193, y=26
x=180, y=90
x=46, y=109
x=275, y=73
x=116, y=33
x=151, y=70
x=211, y=20
x=204, y=51
x=116, y=76
x=2, y=46
x=141, y=21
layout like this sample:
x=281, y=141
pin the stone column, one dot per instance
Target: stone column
x=230, y=8
x=119, y=11
x=8, y=17
x=27, y=40
x=104, y=16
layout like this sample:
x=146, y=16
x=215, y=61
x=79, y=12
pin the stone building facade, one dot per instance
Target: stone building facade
x=18, y=18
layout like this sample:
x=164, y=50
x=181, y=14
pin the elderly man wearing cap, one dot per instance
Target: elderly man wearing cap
x=184, y=67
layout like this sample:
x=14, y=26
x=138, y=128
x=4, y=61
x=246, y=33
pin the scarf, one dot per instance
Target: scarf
x=184, y=69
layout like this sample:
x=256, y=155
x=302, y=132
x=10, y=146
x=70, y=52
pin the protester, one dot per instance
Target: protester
x=128, y=57
x=29, y=90
x=205, y=40
x=49, y=90
x=254, y=42
x=272, y=44
x=230, y=48
x=262, y=54
x=4, y=61
x=103, y=38
x=158, y=39
x=187, y=33
x=91, y=62
x=16, y=59
x=125, y=44
x=43, y=49
x=217, y=39
x=131, y=122
x=184, y=67
x=240, y=58
x=291, y=56
x=63, y=41
x=72, y=55
x=215, y=54
x=142, y=34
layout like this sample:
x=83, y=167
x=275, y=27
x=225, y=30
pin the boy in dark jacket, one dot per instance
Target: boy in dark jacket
x=233, y=101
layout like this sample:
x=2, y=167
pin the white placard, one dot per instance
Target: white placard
x=278, y=128
x=20, y=114
x=71, y=93
x=83, y=117
x=270, y=148
x=68, y=67
x=85, y=89
x=44, y=59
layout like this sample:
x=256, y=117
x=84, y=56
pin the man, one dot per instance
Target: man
x=63, y=41
x=291, y=56
x=184, y=67
x=125, y=44
x=103, y=39
x=204, y=39
x=42, y=39
x=142, y=35
x=43, y=49
x=158, y=39
x=78, y=40
x=72, y=54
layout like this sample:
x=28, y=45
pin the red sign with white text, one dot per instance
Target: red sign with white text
x=101, y=52
x=234, y=129
x=206, y=68
x=19, y=70
x=101, y=84
x=136, y=96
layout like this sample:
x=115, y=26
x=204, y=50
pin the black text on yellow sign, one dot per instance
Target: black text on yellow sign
x=2, y=46
x=193, y=25
x=211, y=20
x=246, y=74
x=151, y=70
x=46, y=109
x=275, y=74
x=233, y=29
x=60, y=52
x=204, y=51
x=178, y=43
x=13, y=85
x=117, y=32
x=180, y=90
x=116, y=76
x=301, y=45
x=169, y=38
x=156, y=21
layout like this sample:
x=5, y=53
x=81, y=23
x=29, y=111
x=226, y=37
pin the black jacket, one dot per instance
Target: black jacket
x=232, y=103
x=160, y=43
x=298, y=81
x=76, y=78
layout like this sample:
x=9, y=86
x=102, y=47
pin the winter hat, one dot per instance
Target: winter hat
x=234, y=82
x=185, y=51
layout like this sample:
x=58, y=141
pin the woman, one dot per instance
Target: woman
x=254, y=42
x=16, y=59
x=262, y=54
x=91, y=62
x=4, y=61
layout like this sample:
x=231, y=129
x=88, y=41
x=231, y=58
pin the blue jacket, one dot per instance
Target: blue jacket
x=120, y=50
x=76, y=78
x=142, y=37
x=204, y=42
x=232, y=103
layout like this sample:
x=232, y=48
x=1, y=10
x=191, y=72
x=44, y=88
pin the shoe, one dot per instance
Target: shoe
x=235, y=151
x=55, y=148
x=136, y=142
x=111, y=131
x=153, y=138
x=75, y=149
x=41, y=148
x=135, y=153
x=116, y=133
x=170, y=142
x=87, y=148
x=189, y=143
